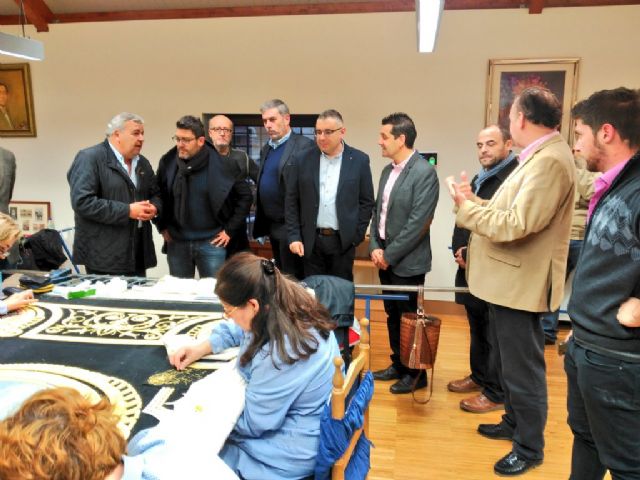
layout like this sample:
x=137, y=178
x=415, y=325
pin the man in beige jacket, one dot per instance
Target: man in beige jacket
x=516, y=262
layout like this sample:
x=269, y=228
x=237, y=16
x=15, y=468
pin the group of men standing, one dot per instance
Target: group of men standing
x=315, y=200
x=519, y=217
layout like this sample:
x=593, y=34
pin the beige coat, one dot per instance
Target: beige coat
x=517, y=253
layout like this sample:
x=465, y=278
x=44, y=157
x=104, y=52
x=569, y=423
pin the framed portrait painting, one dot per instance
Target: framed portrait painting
x=31, y=217
x=507, y=78
x=17, y=118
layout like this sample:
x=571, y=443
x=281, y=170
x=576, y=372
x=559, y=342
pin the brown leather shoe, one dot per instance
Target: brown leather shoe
x=464, y=385
x=479, y=404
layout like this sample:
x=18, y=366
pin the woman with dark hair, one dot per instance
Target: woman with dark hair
x=286, y=351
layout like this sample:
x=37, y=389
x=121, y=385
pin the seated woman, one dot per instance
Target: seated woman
x=9, y=234
x=59, y=434
x=287, y=349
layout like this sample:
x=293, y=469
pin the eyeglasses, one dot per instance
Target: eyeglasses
x=326, y=132
x=222, y=130
x=182, y=139
x=227, y=313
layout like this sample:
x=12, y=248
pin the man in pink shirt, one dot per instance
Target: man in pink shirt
x=399, y=241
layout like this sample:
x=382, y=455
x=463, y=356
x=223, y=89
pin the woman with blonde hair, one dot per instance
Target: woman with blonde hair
x=9, y=234
x=286, y=351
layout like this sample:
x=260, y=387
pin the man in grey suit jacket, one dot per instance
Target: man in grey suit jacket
x=7, y=178
x=275, y=162
x=400, y=244
x=329, y=201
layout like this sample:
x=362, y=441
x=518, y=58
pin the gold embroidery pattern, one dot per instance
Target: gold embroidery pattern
x=91, y=384
x=87, y=324
x=16, y=323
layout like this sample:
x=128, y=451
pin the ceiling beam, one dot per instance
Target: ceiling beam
x=245, y=11
x=536, y=6
x=37, y=13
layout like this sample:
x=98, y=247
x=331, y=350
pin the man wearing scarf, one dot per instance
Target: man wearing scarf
x=205, y=203
x=497, y=161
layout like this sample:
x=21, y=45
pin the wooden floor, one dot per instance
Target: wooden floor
x=438, y=440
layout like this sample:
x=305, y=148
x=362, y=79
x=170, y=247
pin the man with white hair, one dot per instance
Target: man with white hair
x=114, y=195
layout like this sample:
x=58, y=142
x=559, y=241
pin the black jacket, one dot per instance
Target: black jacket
x=461, y=235
x=229, y=196
x=354, y=198
x=101, y=192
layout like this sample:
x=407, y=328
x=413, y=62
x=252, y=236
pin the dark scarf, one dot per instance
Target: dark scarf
x=181, y=182
x=487, y=174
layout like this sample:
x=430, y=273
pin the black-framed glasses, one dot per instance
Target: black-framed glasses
x=326, y=132
x=182, y=139
x=223, y=130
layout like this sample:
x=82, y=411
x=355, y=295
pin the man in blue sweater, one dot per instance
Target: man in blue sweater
x=603, y=356
x=276, y=161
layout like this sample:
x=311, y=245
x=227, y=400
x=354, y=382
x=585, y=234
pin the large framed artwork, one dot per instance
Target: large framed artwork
x=31, y=217
x=507, y=78
x=17, y=118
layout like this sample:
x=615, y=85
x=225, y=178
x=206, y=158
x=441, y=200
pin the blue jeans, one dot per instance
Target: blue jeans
x=184, y=256
x=550, y=319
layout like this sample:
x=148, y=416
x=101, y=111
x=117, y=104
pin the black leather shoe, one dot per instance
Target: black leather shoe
x=513, y=464
x=405, y=384
x=496, y=431
x=389, y=373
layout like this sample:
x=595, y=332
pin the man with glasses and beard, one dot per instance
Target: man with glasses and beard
x=205, y=204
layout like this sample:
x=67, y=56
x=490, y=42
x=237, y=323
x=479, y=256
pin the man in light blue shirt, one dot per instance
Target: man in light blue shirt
x=329, y=201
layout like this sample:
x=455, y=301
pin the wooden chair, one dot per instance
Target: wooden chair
x=342, y=385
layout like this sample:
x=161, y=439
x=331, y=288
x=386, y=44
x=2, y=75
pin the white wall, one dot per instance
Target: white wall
x=366, y=66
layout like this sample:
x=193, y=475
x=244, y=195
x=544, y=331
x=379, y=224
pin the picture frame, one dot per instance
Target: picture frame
x=507, y=78
x=30, y=216
x=17, y=117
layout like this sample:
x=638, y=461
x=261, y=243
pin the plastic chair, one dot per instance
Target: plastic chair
x=344, y=446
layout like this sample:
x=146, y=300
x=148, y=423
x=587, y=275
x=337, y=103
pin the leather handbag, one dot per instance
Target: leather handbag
x=419, y=337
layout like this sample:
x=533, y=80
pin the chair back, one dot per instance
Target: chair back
x=340, y=397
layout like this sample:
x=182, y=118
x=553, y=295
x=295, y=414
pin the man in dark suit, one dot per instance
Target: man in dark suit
x=400, y=243
x=275, y=161
x=498, y=161
x=114, y=195
x=329, y=201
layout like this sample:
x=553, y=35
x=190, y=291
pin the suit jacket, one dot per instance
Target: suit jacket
x=461, y=236
x=229, y=196
x=293, y=146
x=7, y=178
x=412, y=204
x=101, y=192
x=354, y=198
x=517, y=254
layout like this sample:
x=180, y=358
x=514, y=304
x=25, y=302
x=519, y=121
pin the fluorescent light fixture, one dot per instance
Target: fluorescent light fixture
x=21, y=47
x=428, y=13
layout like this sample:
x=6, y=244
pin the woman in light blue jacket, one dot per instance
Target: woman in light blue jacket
x=286, y=352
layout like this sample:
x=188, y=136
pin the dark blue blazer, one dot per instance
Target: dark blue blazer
x=354, y=198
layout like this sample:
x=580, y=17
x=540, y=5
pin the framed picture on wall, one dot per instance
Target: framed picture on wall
x=17, y=118
x=31, y=217
x=507, y=78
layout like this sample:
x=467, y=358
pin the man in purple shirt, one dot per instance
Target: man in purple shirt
x=603, y=355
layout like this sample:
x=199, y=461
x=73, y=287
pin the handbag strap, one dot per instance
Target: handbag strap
x=422, y=324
